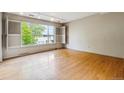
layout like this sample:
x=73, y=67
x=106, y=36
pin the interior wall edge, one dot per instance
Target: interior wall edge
x=1, y=55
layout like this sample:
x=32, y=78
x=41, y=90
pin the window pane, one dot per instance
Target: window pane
x=26, y=34
x=33, y=34
x=52, y=39
x=51, y=34
x=51, y=30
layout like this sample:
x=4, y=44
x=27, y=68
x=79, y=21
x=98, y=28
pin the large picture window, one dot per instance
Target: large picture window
x=35, y=34
x=24, y=34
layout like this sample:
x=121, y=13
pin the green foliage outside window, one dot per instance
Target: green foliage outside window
x=31, y=33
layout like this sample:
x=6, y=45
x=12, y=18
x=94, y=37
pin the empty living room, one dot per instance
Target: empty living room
x=61, y=45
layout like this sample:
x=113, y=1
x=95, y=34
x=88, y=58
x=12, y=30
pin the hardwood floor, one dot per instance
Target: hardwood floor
x=63, y=64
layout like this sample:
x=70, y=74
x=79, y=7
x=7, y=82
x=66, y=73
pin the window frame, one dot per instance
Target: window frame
x=47, y=43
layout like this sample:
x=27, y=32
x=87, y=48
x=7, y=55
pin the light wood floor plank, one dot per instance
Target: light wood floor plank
x=63, y=64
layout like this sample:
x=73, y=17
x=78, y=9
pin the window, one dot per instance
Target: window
x=51, y=31
x=21, y=34
x=35, y=34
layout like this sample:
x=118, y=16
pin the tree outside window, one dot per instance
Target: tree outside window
x=35, y=33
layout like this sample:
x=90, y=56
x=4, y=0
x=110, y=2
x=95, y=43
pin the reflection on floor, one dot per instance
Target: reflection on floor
x=62, y=64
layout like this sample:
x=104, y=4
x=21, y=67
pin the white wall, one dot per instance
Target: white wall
x=102, y=34
x=0, y=36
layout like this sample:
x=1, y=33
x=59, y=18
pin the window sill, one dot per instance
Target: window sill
x=27, y=46
x=37, y=45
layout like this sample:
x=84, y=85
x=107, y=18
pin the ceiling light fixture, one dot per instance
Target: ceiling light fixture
x=21, y=13
x=52, y=19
